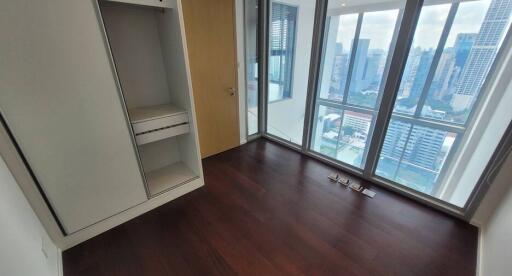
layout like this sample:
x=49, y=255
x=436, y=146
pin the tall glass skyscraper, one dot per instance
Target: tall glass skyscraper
x=482, y=54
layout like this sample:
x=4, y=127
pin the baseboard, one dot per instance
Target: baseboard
x=126, y=215
x=479, y=251
x=476, y=223
x=60, y=266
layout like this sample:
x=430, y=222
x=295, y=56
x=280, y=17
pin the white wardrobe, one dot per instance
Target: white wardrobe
x=98, y=122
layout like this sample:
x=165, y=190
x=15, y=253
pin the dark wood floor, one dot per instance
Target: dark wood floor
x=267, y=210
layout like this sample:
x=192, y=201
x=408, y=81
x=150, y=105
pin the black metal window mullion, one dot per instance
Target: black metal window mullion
x=400, y=53
x=435, y=60
x=428, y=123
x=388, y=61
x=415, y=119
x=399, y=161
x=353, y=52
x=339, y=133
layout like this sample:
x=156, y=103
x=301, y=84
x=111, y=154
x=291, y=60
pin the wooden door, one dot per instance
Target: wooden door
x=210, y=31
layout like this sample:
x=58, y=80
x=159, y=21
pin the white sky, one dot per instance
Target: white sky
x=379, y=26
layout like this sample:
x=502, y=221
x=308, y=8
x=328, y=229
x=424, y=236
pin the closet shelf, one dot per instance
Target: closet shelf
x=158, y=122
x=142, y=114
x=169, y=177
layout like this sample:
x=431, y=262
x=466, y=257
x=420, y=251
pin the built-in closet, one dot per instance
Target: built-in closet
x=142, y=39
x=98, y=122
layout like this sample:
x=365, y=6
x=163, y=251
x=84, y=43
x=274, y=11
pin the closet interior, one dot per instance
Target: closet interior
x=146, y=46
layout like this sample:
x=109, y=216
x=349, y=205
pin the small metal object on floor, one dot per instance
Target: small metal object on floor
x=356, y=187
x=344, y=181
x=336, y=178
x=368, y=193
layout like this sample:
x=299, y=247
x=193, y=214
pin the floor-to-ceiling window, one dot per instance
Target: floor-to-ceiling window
x=453, y=49
x=357, y=49
x=441, y=103
x=289, y=51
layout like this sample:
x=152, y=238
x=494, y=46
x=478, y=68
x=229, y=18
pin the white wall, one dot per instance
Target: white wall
x=484, y=134
x=494, y=216
x=21, y=234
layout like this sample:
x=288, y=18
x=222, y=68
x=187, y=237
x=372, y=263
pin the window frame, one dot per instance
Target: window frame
x=288, y=87
x=259, y=34
x=461, y=130
x=344, y=105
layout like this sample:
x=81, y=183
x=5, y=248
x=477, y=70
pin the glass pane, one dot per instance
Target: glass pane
x=342, y=135
x=419, y=164
x=340, y=33
x=251, y=64
x=426, y=38
x=420, y=148
x=392, y=150
x=355, y=131
x=372, y=51
x=470, y=50
x=281, y=51
x=290, y=38
x=352, y=76
x=327, y=130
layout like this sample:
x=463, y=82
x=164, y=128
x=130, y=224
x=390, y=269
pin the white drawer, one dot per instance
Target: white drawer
x=160, y=123
x=151, y=3
x=161, y=134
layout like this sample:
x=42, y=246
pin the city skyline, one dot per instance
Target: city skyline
x=432, y=19
x=413, y=154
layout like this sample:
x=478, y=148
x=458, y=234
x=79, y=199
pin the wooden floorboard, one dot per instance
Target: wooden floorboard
x=268, y=210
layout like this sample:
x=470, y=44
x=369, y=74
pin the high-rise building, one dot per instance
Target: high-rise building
x=409, y=72
x=396, y=137
x=421, y=147
x=339, y=73
x=357, y=77
x=358, y=121
x=421, y=73
x=371, y=69
x=450, y=66
x=482, y=54
x=446, y=75
x=463, y=44
x=424, y=147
